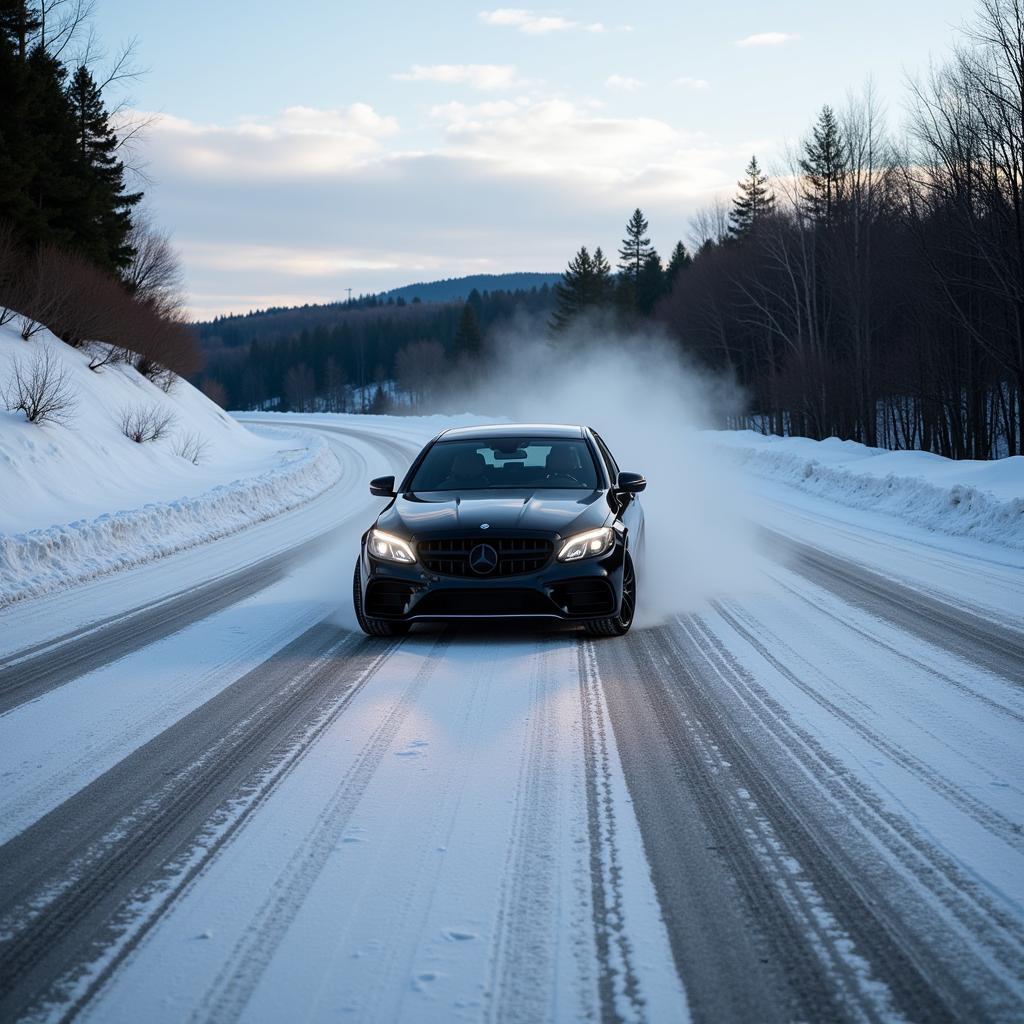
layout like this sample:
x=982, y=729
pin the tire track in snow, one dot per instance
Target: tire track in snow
x=968, y=918
x=618, y=985
x=752, y=916
x=99, y=889
x=523, y=957
x=231, y=991
x=29, y=675
x=767, y=643
x=873, y=638
x=961, y=632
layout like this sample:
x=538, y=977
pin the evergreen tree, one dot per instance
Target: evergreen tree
x=19, y=22
x=468, y=336
x=755, y=200
x=824, y=167
x=602, y=290
x=108, y=202
x=573, y=291
x=52, y=173
x=679, y=260
x=636, y=247
x=650, y=284
x=586, y=284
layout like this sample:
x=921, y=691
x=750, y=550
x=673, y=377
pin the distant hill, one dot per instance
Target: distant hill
x=320, y=350
x=452, y=288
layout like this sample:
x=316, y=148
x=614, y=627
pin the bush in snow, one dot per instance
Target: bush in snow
x=191, y=446
x=141, y=425
x=81, y=304
x=39, y=387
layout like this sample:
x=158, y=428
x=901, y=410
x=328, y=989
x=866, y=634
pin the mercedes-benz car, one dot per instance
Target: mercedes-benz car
x=505, y=521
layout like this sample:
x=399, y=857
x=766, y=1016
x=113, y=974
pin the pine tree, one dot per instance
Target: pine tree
x=679, y=260
x=586, y=284
x=19, y=22
x=755, y=200
x=636, y=247
x=109, y=203
x=650, y=284
x=468, y=336
x=45, y=147
x=572, y=293
x=824, y=167
x=602, y=290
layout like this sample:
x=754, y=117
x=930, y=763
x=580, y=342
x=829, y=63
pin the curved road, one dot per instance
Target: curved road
x=804, y=802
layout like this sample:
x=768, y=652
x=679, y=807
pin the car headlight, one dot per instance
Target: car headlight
x=587, y=545
x=389, y=547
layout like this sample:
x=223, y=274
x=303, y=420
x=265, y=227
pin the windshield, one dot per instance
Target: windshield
x=507, y=462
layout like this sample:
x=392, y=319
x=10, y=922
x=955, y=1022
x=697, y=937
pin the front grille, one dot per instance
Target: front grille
x=584, y=597
x=484, y=601
x=449, y=556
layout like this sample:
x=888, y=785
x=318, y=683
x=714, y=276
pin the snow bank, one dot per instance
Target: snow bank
x=78, y=499
x=981, y=500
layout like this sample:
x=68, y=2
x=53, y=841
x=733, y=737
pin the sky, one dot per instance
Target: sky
x=301, y=150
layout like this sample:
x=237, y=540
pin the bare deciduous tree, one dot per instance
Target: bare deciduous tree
x=191, y=446
x=417, y=367
x=141, y=424
x=39, y=387
x=154, y=274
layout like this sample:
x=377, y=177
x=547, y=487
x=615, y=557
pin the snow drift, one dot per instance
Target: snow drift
x=980, y=500
x=79, y=499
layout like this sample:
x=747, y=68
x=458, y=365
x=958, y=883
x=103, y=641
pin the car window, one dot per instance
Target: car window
x=609, y=459
x=505, y=463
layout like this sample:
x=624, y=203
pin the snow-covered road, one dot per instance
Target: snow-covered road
x=800, y=802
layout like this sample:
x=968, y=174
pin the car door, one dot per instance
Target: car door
x=629, y=508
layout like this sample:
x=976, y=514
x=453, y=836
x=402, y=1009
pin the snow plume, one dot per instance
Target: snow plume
x=635, y=390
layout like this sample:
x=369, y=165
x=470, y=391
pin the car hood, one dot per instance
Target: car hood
x=548, y=511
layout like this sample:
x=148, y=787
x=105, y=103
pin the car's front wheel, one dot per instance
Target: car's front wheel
x=618, y=625
x=373, y=627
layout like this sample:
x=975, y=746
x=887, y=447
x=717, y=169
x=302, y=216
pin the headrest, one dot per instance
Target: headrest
x=561, y=459
x=468, y=464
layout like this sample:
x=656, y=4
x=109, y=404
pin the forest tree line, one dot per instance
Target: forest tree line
x=371, y=354
x=871, y=290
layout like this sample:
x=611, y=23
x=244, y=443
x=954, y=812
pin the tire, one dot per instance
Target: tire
x=618, y=625
x=373, y=627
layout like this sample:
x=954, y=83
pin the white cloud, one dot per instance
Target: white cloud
x=766, y=39
x=477, y=76
x=698, y=84
x=525, y=20
x=301, y=142
x=623, y=82
x=571, y=144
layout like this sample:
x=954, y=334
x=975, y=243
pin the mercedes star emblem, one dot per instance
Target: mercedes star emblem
x=483, y=559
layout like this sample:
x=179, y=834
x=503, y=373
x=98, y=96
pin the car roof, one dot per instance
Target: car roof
x=486, y=430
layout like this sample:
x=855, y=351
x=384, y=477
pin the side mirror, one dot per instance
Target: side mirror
x=630, y=483
x=383, y=487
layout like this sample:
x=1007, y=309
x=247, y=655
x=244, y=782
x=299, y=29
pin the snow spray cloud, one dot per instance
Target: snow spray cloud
x=635, y=390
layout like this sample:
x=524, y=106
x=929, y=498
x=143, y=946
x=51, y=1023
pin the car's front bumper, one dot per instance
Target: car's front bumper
x=576, y=591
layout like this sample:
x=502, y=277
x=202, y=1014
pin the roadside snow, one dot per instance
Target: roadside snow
x=981, y=500
x=79, y=499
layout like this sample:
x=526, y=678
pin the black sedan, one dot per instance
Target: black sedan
x=505, y=521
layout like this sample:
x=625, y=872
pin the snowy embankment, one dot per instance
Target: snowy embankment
x=980, y=500
x=79, y=498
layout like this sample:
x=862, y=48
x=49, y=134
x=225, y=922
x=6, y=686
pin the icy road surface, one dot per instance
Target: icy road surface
x=804, y=803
